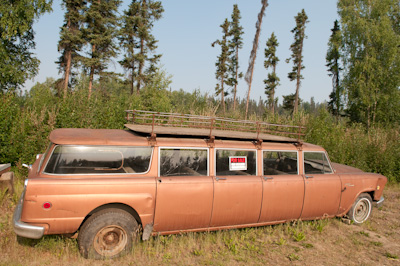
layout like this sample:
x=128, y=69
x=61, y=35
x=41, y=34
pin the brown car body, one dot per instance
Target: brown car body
x=60, y=204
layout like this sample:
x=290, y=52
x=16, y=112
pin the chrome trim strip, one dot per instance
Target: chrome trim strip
x=24, y=229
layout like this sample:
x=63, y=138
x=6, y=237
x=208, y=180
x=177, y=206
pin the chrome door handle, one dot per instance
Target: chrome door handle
x=220, y=178
x=309, y=176
x=268, y=178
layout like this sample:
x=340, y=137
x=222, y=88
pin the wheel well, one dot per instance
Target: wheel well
x=371, y=193
x=121, y=206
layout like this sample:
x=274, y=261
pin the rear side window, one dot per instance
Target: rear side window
x=183, y=162
x=316, y=163
x=236, y=162
x=280, y=162
x=98, y=160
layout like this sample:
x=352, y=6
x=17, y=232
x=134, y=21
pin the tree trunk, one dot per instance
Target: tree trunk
x=132, y=81
x=68, y=64
x=139, y=76
x=337, y=91
x=299, y=65
x=222, y=95
x=91, y=73
x=253, y=54
x=248, y=96
x=273, y=91
x=237, y=74
x=132, y=67
x=67, y=71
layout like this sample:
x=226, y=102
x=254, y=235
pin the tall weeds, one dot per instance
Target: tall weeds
x=26, y=121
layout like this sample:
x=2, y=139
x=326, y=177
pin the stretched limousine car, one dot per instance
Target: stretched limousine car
x=108, y=184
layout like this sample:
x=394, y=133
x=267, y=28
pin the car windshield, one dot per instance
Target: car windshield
x=316, y=163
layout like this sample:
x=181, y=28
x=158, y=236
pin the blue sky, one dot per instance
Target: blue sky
x=187, y=29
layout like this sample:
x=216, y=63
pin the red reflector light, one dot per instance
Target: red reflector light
x=46, y=205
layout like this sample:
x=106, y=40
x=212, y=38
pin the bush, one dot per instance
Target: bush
x=28, y=119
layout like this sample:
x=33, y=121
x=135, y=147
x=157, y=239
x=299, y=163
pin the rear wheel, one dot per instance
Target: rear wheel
x=361, y=209
x=107, y=234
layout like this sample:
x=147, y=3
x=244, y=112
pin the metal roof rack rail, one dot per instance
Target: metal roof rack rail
x=196, y=125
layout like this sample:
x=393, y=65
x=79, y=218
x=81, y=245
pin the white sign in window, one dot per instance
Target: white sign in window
x=237, y=163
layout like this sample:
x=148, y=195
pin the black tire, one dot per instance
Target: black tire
x=108, y=233
x=361, y=209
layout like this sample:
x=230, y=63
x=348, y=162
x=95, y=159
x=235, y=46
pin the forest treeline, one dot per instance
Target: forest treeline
x=28, y=119
x=359, y=125
x=362, y=57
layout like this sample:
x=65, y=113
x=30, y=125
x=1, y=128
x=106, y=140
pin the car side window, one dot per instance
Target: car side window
x=236, y=162
x=280, y=162
x=316, y=163
x=72, y=160
x=183, y=162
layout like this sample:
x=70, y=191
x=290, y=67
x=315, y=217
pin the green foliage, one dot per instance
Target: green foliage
x=289, y=102
x=377, y=150
x=391, y=256
x=28, y=119
x=17, y=63
x=370, y=35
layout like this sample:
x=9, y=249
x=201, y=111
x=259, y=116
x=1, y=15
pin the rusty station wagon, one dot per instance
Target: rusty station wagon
x=174, y=173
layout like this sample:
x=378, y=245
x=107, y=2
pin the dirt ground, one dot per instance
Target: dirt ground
x=324, y=242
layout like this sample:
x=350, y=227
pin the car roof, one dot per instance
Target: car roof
x=83, y=136
x=119, y=137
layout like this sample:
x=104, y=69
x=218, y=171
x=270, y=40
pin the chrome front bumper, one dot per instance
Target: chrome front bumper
x=24, y=229
x=379, y=203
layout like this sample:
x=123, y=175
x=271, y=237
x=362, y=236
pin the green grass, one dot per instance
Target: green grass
x=391, y=256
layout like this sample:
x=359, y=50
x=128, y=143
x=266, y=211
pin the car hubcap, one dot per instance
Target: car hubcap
x=110, y=241
x=362, y=210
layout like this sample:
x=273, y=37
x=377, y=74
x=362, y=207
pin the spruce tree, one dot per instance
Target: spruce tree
x=235, y=43
x=71, y=39
x=289, y=101
x=99, y=33
x=335, y=104
x=138, y=43
x=271, y=60
x=297, y=54
x=222, y=63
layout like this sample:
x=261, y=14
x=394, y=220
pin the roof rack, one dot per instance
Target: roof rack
x=195, y=125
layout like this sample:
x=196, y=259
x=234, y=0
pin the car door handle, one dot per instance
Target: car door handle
x=268, y=178
x=220, y=178
x=309, y=176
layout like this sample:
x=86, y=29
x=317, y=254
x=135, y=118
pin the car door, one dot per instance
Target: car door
x=237, y=188
x=184, y=190
x=283, y=187
x=322, y=186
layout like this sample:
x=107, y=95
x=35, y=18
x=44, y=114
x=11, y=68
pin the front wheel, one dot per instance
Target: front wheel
x=361, y=209
x=107, y=234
